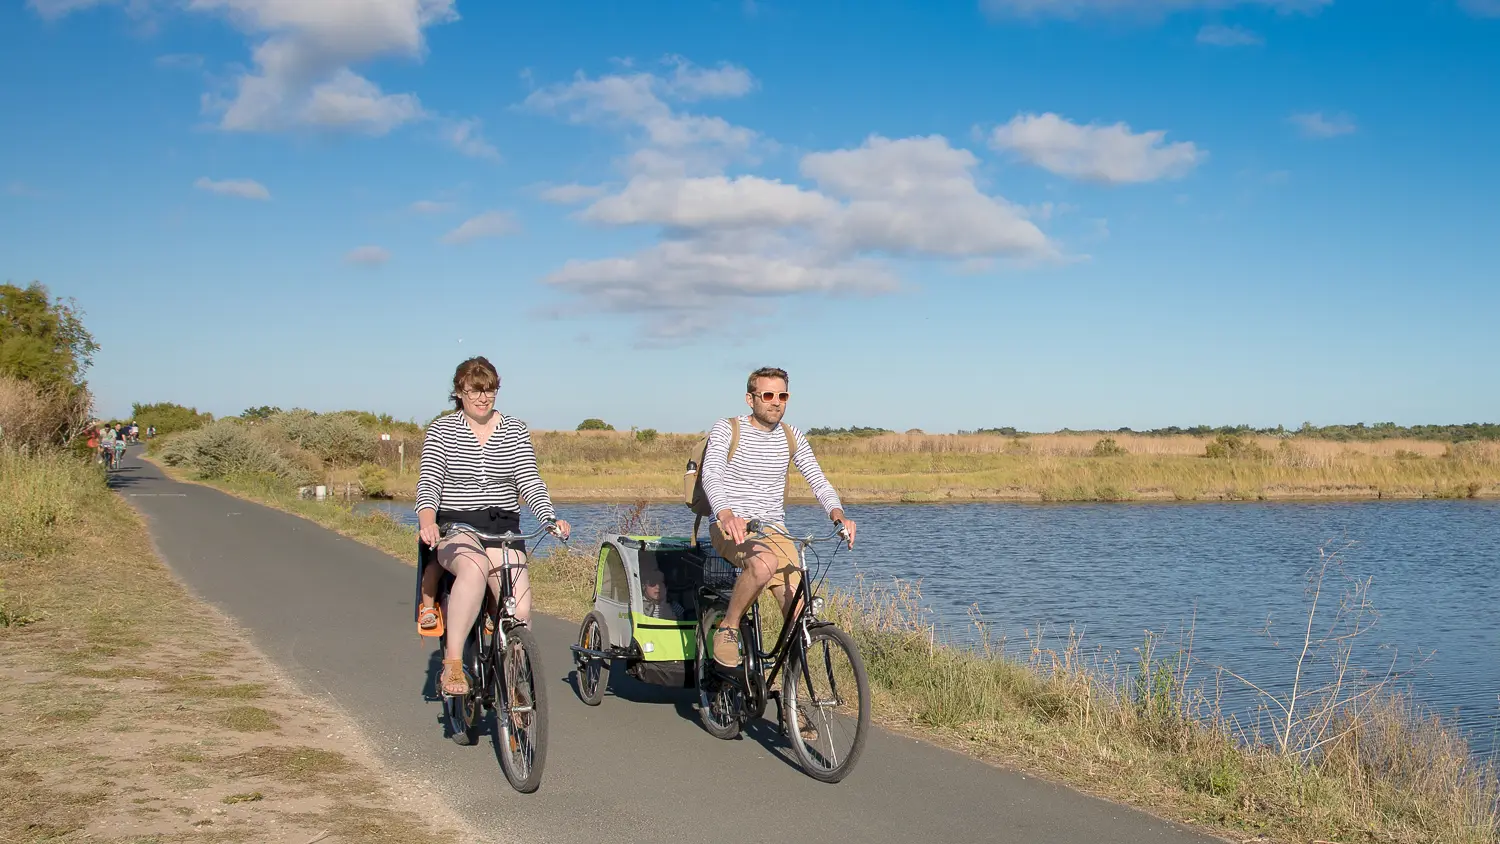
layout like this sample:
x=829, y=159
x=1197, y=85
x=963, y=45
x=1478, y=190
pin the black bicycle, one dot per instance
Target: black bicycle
x=824, y=703
x=500, y=659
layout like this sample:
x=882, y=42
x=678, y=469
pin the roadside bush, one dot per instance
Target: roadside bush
x=168, y=418
x=226, y=448
x=595, y=425
x=34, y=416
x=1107, y=447
x=645, y=435
x=337, y=439
x=1234, y=447
x=1473, y=452
x=373, y=480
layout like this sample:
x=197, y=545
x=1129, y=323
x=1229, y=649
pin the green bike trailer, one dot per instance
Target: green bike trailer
x=646, y=602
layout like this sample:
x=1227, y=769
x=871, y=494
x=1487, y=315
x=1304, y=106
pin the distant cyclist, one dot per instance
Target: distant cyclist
x=107, y=445
x=120, y=443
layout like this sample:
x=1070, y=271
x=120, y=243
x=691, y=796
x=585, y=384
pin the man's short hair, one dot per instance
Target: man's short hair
x=766, y=372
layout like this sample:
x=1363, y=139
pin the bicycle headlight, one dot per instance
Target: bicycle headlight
x=510, y=605
x=817, y=605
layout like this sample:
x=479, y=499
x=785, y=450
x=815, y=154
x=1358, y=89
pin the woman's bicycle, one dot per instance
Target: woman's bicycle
x=824, y=702
x=501, y=659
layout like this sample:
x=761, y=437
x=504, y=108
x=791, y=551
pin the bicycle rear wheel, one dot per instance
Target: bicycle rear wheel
x=827, y=707
x=720, y=700
x=521, y=711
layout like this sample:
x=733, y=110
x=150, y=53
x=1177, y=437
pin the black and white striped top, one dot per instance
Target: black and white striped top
x=458, y=474
x=753, y=485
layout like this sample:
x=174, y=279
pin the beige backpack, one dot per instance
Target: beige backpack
x=692, y=479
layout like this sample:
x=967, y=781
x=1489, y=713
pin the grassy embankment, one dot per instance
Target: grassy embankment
x=615, y=466
x=1139, y=733
x=129, y=711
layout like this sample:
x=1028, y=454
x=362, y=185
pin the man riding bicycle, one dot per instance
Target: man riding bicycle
x=751, y=484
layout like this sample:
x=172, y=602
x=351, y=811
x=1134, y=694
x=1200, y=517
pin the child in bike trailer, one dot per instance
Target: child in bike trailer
x=744, y=472
x=476, y=466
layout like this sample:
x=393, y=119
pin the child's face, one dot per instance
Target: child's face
x=653, y=589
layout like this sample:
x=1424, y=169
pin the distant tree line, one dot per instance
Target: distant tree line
x=855, y=431
x=1340, y=433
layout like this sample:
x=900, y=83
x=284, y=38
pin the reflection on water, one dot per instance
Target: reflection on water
x=1235, y=573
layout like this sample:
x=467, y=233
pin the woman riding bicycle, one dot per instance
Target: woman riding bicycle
x=476, y=466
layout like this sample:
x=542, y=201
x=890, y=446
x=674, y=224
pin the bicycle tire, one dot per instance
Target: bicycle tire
x=522, y=752
x=719, y=701
x=593, y=673
x=819, y=768
x=463, y=715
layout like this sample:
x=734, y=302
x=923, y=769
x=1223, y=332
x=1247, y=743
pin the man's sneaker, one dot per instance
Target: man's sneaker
x=727, y=647
x=808, y=731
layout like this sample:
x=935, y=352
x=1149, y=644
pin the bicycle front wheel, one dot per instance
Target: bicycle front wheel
x=827, y=706
x=521, y=711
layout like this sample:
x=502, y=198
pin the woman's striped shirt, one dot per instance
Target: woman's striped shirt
x=459, y=474
x=753, y=484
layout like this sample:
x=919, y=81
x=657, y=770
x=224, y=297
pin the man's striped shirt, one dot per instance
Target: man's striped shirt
x=753, y=484
x=459, y=474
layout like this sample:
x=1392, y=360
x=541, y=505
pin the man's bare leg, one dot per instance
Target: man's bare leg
x=747, y=588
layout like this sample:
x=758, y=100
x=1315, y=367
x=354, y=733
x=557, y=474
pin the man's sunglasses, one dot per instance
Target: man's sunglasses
x=767, y=396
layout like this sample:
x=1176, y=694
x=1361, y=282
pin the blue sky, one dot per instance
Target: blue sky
x=1082, y=213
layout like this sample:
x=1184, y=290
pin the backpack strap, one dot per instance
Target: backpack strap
x=791, y=447
x=734, y=442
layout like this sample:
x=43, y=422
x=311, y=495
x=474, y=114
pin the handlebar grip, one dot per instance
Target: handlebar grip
x=753, y=525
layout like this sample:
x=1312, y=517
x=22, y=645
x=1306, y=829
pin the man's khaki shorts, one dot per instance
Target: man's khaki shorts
x=785, y=550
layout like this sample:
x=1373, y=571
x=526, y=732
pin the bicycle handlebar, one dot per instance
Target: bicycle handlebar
x=460, y=527
x=762, y=528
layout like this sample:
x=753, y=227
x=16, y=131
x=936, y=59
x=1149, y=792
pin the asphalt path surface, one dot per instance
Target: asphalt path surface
x=336, y=615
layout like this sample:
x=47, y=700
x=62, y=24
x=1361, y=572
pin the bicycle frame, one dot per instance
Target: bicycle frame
x=505, y=610
x=801, y=607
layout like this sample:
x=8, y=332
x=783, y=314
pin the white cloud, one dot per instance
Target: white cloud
x=367, y=256
x=711, y=202
x=431, y=206
x=690, y=82
x=671, y=141
x=350, y=101
x=1071, y=9
x=467, y=137
x=1109, y=154
x=242, y=188
x=488, y=224
x=684, y=287
x=742, y=242
x=918, y=196
x=571, y=194
x=1215, y=35
x=302, y=65
x=1315, y=124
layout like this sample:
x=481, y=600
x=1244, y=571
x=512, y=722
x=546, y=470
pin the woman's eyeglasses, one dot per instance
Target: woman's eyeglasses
x=480, y=394
x=767, y=396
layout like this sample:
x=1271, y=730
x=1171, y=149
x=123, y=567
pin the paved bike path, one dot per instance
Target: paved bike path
x=336, y=615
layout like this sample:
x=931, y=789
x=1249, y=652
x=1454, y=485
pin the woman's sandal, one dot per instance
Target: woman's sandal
x=430, y=621
x=454, y=681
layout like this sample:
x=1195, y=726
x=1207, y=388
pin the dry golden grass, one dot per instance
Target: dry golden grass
x=614, y=466
x=128, y=711
x=33, y=417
